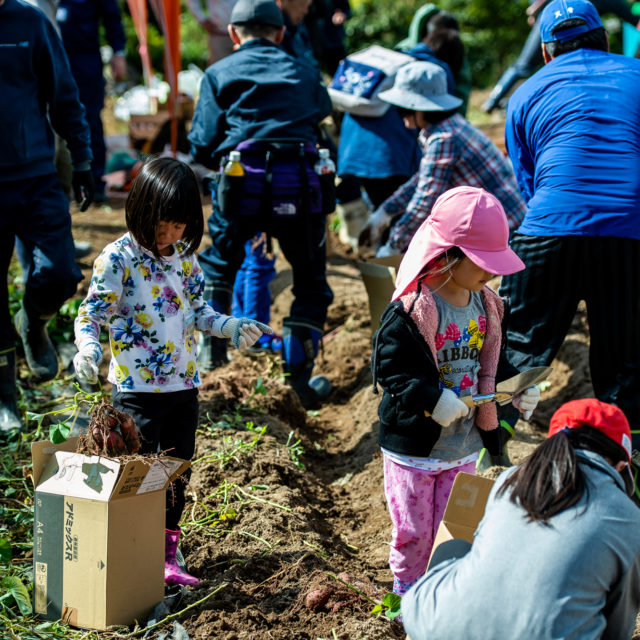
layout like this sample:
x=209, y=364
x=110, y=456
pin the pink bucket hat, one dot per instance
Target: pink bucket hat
x=466, y=217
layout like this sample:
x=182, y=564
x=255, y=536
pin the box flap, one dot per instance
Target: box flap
x=467, y=501
x=41, y=452
x=78, y=476
x=143, y=476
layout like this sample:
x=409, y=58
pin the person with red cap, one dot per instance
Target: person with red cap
x=559, y=530
x=440, y=339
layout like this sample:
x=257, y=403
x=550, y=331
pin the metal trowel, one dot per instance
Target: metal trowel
x=507, y=389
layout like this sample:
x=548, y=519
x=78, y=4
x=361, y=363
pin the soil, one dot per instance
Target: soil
x=280, y=525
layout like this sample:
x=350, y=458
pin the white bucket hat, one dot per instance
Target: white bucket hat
x=421, y=86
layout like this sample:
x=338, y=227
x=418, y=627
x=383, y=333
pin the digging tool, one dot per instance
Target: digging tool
x=507, y=389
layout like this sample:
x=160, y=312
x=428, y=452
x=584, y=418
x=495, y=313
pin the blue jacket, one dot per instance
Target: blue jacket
x=259, y=91
x=572, y=136
x=383, y=147
x=577, y=578
x=80, y=20
x=35, y=81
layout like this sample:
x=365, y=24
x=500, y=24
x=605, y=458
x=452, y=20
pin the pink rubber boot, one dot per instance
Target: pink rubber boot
x=173, y=573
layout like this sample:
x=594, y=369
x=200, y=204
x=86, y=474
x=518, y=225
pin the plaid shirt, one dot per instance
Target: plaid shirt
x=455, y=153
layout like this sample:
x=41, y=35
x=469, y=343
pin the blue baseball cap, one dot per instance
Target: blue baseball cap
x=558, y=11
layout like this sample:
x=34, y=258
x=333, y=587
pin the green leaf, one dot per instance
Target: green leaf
x=392, y=601
x=260, y=388
x=13, y=586
x=38, y=417
x=59, y=432
x=376, y=610
x=5, y=550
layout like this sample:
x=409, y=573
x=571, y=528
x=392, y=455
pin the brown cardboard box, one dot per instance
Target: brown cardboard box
x=464, y=509
x=379, y=276
x=98, y=543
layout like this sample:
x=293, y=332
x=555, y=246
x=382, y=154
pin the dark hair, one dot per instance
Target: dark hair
x=257, y=30
x=447, y=46
x=550, y=479
x=442, y=20
x=448, y=257
x=432, y=117
x=594, y=39
x=165, y=189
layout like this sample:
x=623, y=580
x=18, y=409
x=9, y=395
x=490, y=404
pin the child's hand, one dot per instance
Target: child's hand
x=449, y=408
x=527, y=401
x=243, y=332
x=378, y=222
x=86, y=362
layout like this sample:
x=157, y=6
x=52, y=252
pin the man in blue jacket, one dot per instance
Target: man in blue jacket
x=79, y=22
x=261, y=92
x=37, y=96
x=572, y=136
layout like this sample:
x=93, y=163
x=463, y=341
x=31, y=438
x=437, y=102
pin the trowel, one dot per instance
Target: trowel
x=507, y=389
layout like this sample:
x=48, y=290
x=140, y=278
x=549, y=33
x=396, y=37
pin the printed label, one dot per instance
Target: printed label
x=40, y=588
x=158, y=475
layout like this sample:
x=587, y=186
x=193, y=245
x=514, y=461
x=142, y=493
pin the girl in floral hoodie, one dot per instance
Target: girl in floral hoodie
x=441, y=339
x=147, y=289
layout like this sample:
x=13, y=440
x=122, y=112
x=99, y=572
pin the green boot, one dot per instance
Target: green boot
x=498, y=445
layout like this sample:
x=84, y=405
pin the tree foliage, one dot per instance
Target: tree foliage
x=493, y=31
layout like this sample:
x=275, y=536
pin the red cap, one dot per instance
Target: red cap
x=590, y=412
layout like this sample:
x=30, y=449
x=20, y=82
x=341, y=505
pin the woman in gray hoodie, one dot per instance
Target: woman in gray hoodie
x=557, y=554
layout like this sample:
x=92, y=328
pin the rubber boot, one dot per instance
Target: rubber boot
x=500, y=455
x=9, y=420
x=173, y=572
x=353, y=216
x=503, y=86
x=212, y=351
x=300, y=341
x=38, y=349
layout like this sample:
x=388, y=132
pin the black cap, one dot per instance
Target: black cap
x=258, y=11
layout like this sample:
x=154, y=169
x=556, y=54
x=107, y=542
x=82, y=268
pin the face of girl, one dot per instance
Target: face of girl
x=167, y=234
x=468, y=275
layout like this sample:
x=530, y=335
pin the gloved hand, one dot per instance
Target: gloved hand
x=86, y=362
x=82, y=183
x=527, y=401
x=243, y=332
x=385, y=251
x=373, y=229
x=449, y=408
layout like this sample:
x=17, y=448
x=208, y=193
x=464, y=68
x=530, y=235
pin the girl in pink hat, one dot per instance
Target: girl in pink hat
x=441, y=338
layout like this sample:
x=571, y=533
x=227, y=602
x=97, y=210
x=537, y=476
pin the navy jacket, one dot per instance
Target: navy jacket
x=259, y=91
x=35, y=80
x=79, y=22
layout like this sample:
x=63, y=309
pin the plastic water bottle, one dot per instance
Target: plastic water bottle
x=325, y=164
x=234, y=166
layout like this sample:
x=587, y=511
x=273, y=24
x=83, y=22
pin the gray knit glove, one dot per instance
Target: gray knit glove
x=243, y=332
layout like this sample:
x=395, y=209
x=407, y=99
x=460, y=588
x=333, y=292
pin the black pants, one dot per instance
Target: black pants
x=167, y=422
x=561, y=271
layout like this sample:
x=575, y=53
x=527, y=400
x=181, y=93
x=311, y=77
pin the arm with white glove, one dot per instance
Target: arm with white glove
x=86, y=362
x=243, y=332
x=449, y=408
x=527, y=401
x=378, y=222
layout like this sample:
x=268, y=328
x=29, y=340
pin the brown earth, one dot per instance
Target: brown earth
x=268, y=524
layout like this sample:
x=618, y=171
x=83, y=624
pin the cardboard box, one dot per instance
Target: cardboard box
x=464, y=509
x=98, y=543
x=379, y=277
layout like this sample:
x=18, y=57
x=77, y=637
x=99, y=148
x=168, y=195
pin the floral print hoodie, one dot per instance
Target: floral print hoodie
x=152, y=309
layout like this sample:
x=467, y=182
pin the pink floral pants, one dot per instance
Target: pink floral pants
x=416, y=501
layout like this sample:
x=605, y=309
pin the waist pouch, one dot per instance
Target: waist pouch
x=279, y=182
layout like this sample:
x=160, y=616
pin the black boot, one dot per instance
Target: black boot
x=300, y=341
x=38, y=349
x=495, y=451
x=212, y=352
x=9, y=420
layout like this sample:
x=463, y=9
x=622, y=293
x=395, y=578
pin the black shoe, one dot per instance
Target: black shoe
x=9, y=420
x=81, y=249
x=38, y=349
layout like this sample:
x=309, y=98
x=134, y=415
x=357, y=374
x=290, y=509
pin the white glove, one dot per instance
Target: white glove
x=449, y=408
x=527, y=401
x=375, y=226
x=86, y=362
x=385, y=251
x=243, y=332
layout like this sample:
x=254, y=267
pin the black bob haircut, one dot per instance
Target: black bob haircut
x=166, y=189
